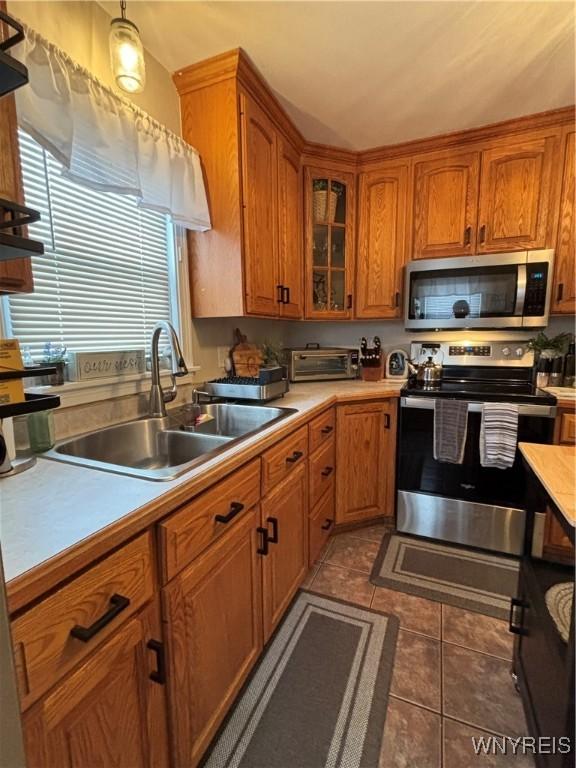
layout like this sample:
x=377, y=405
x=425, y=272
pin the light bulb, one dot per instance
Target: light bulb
x=127, y=56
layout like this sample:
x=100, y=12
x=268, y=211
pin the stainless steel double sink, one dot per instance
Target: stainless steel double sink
x=164, y=448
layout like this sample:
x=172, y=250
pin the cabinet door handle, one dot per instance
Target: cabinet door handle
x=279, y=294
x=349, y=302
x=159, y=674
x=274, y=523
x=386, y=421
x=285, y=295
x=327, y=471
x=263, y=550
x=326, y=430
x=235, y=508
x=517, y=629
x=295, y=456
x=327, y=525
x=482, y=236
x=397, y=299
x=560, y=292
x=468, y=235
x=117, y=602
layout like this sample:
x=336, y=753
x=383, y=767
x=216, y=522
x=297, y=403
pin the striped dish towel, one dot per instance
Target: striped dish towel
x=450, y=430
x=498, y=435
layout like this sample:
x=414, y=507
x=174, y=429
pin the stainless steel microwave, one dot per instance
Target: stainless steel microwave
x=316, y=363
x=502, y=290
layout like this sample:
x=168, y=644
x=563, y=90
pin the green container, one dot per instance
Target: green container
x=41, y=431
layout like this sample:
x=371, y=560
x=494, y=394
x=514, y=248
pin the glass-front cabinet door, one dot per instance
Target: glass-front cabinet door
x=329, y=244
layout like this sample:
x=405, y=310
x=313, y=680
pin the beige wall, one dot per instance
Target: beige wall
x=81, y=30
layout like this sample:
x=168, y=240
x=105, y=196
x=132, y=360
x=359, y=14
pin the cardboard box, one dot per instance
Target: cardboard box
x=11, y=390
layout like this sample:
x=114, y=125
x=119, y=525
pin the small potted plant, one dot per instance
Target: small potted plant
x=55, y=355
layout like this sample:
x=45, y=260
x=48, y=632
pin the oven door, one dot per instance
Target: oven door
x=465, y=503
x=478, y=291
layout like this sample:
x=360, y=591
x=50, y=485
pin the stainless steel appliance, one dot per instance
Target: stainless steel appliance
x=246, y=388
x=316, y=363
x=502, y=290
x=467, y=503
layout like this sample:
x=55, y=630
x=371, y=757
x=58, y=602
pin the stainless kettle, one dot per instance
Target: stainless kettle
x=427, y=372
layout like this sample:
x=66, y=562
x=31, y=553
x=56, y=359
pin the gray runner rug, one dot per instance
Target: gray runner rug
x=318, y=697
x=466, y=578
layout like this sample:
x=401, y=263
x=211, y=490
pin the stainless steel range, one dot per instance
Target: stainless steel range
x=468, y=503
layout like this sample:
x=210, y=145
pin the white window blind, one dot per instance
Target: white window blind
x=104, y=279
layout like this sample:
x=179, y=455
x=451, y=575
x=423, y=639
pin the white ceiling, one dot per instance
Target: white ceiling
x=360, y=74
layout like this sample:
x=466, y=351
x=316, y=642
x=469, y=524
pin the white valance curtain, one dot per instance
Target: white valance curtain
x=104, y=140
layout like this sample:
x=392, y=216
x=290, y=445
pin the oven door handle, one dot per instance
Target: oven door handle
x=524, y=409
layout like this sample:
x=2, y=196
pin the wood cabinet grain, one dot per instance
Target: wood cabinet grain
x=283, y=458
x=322, y=470
x=516, y=193
x=285, y=516
x=381, y=253
x=213, y=612
x=564, y=295
x=445, y=204
x=109, y=711
x=259, y=196
x=321, y=524
x=290, y=246
x=365, y=457
x=45, y=646
x=321, y=429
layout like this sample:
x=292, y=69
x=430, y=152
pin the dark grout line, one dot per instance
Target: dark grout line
x=415, y=704
x=475, y=650
x=475, y=725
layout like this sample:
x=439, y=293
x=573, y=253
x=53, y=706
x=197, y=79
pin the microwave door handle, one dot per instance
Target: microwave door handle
x=520, y=291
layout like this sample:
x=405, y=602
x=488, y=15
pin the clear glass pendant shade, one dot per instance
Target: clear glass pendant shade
x=127, y=56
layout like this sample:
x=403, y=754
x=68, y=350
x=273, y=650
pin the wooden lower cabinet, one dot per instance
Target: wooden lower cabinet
x=285, y=517
x=556, y=544
x=109, y=711
x=213, y=627
x=365, y=457
x=320, y=524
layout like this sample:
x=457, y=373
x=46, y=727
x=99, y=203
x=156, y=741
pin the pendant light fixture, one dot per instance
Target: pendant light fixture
x=127, y=53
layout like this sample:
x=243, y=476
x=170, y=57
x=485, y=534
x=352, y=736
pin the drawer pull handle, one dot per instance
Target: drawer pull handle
x=327, y=525
x=263, y=550
x=118, y=604
x=327, y=430
x=235, y=509
x=295, y=456
x=560, y=293
x=386, y=421
x=327, y=471
x=159, y=674
x=274, y=523
x=483, y=233
x=467, y=235
x=517, y=629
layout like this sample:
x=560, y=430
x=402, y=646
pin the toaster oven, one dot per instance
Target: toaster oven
x=316, y=363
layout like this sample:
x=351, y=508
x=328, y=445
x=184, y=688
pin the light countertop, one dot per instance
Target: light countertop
x=555, y=467
x=56, y=517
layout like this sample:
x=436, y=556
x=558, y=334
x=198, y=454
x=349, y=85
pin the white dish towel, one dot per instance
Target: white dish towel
x=498, y=435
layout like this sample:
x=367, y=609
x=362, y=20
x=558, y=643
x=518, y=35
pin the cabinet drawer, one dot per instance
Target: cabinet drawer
x=65, y=627
x=280, y=460
x=321, y=429
x=188, y=532
x=568, y=428
x=321, y=523
x=322, y=465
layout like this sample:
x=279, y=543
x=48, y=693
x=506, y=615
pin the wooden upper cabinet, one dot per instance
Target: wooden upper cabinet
x=259, y=192
x=445, y=204
x=290, y=255
x=108, y=711
x=517, y=193
x=564, y=297
x=329, y=202
x=381, y=241
x=16, y=274
x=251, y=261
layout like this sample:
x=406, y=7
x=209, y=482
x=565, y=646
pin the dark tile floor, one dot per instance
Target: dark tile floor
x=451, y=678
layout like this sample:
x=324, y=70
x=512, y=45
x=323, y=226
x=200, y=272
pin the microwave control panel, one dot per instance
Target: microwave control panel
x=535, y=297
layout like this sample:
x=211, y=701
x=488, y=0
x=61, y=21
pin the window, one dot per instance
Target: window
x=107, y=275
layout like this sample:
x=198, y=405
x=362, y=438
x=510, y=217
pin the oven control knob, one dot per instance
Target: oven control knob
x=519, y=351
x=506, y=351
